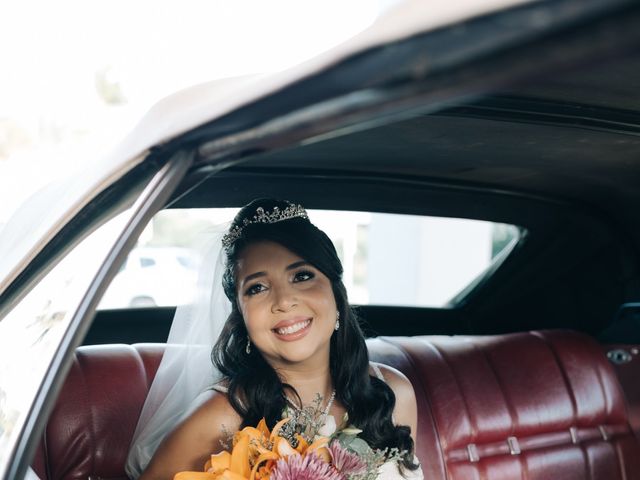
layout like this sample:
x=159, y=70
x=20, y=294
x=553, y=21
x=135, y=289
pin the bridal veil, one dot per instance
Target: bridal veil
x=186, y=370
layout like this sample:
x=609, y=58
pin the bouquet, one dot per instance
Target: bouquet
x=300, y=447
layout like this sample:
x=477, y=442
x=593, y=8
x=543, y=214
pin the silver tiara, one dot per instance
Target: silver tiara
x=277, y=215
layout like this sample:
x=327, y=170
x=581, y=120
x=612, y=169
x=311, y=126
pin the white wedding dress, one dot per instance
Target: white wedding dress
x=390, y=471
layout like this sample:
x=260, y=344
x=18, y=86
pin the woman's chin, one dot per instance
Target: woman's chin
x=298, y=353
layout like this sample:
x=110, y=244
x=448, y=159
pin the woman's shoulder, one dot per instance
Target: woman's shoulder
x=195, y=438
x=213, y=417
x=393, y=377
x=210, y=422
x=406, y=410
x=217, y=409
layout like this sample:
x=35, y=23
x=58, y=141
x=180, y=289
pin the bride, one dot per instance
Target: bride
x=289, y=340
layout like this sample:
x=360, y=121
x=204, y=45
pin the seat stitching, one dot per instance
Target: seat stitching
x=482, y=470
x=607, y=409
x=563, y=373
x=499, y=383
x=570, y=392
x=587, y=459
x=142, y=366
x=620, y=457
x=425, y=395
x=442, y=356
x=474, y=426
x=616, y=448
x=510, y=408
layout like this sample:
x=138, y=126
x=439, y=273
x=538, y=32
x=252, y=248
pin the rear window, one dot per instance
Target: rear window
x=388, y=259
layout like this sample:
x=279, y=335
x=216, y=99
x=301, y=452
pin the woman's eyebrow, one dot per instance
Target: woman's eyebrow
x=252, y=276
x=297, y=264
x=293, y=266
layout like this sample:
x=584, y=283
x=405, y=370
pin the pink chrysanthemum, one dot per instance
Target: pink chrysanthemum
x=307, y=467
x=346, y=462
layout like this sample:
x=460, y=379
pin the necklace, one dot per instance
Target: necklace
x=326, y=409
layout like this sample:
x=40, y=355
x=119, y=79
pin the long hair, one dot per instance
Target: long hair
x=255, y=389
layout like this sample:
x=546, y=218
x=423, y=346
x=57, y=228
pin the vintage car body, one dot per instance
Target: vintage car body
x=519, y=112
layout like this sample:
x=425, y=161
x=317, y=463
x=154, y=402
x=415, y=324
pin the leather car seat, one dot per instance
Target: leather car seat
x=536, y=405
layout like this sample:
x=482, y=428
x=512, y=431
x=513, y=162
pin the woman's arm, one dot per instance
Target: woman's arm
x=406, y=409
x=191, y=443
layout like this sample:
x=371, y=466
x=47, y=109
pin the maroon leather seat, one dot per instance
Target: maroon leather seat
x=90, y=428
x=539, y=405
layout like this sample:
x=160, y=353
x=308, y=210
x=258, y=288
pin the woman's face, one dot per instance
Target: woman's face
x=287, y=304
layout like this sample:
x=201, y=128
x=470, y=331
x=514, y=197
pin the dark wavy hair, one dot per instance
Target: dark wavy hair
x=255, y=389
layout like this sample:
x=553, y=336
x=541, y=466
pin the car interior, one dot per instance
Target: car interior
x=531, y=371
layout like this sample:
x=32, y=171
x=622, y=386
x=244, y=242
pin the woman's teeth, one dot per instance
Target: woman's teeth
x=292, y=328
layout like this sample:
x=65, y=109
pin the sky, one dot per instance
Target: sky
x=78, y=74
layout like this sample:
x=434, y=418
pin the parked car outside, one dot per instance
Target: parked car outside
x=153, y=276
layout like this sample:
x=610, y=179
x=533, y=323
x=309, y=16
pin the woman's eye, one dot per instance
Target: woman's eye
x=303, y=276
x=254, y=289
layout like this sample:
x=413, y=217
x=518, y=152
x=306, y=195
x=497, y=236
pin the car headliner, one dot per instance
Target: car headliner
x=566, y=135
x=554, y=151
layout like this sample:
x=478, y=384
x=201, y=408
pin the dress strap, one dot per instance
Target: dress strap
x=223, y=389
x=377, y=371
x=220, y=388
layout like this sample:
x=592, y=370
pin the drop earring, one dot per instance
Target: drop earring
x=337, y=321
x=248, y=347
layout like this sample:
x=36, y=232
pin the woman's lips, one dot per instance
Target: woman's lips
x=293, y=329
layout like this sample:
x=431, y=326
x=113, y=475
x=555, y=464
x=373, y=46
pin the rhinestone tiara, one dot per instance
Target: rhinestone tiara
x=277, y=215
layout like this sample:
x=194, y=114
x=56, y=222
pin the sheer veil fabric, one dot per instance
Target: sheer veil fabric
x=186, y=371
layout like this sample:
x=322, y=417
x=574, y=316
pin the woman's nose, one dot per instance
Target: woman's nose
x=284, y=298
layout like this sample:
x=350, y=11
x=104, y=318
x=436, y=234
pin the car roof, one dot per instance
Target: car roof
x=185, y=110
x=410, y=67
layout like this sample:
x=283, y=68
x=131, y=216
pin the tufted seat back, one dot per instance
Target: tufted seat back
x=538, y=405
x=90, y=428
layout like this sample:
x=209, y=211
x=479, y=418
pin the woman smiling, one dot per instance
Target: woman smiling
x=290, y=342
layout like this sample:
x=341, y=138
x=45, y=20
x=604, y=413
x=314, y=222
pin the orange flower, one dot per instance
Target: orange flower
x=218, y=462
x=255, y=453
x=263, y=465
x=195, y=476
